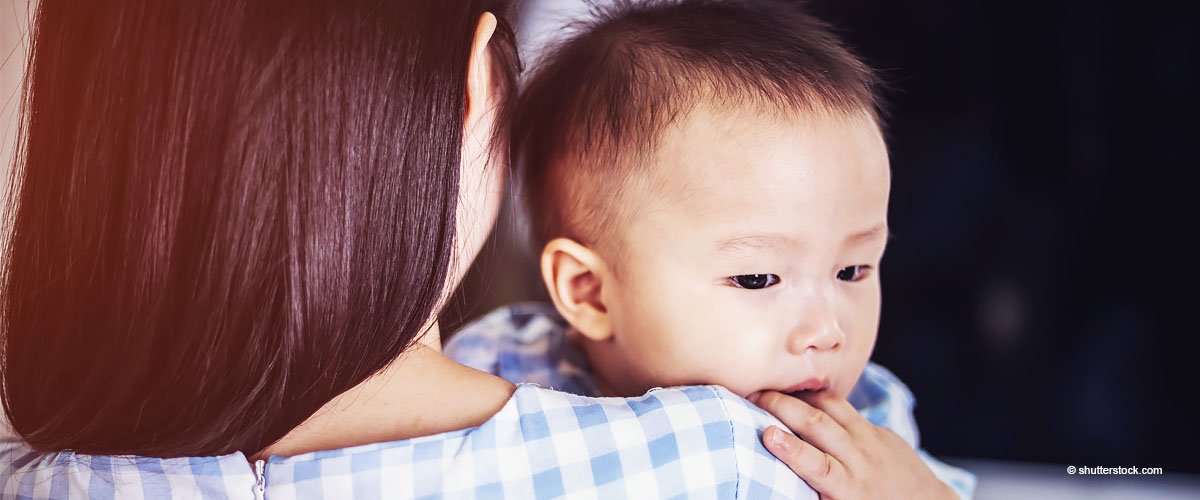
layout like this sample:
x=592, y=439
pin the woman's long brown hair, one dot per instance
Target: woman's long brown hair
x=226, y=212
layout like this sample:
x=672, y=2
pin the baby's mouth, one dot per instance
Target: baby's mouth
x=809, y=386
x=812, y=385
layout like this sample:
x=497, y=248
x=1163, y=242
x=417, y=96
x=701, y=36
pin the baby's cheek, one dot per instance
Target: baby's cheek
x=854, y=364
x=659, y=356
x=742, y=367
x=694, y=342
x=686, y=361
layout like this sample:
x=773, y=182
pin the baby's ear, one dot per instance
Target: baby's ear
x=574, y=276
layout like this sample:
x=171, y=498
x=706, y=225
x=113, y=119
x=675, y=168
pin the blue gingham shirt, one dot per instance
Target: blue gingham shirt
x=689, y=442
x=527, y=343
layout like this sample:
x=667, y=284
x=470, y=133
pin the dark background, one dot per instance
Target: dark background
x=1038, y=290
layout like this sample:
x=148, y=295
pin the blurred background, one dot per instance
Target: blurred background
x=1037, y=291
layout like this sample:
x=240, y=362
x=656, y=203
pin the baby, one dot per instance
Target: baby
x=709, y=186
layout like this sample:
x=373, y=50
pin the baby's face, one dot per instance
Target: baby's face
x=753, y=260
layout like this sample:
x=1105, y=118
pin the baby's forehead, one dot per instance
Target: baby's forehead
x=721, y=123
x=714, y=148
x=717, y=170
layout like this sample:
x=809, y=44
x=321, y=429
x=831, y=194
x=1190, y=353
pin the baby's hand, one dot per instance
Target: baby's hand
x=842, y=455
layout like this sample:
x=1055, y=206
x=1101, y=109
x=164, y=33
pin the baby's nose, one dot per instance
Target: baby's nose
x=817, y=331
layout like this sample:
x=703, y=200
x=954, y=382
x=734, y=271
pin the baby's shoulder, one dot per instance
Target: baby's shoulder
x=524, y=342
x=521, y=327
x=522, y=323
x=877, y=382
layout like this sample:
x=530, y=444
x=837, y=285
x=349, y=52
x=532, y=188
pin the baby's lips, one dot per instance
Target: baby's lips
x=809, y=384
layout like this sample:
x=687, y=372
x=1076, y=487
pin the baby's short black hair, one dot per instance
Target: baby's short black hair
x=599, y=102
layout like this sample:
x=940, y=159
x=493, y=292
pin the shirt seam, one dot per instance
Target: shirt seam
x=737, y=466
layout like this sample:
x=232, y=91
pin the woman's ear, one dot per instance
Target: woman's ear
x=574, y=276
x=479, y=70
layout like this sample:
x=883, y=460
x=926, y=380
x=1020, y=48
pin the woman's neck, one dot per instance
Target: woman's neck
x=421, y=393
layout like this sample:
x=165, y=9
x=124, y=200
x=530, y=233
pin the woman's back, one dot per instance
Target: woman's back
x=692, y=442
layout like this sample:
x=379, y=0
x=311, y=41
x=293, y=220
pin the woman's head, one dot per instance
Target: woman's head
x=228, y=212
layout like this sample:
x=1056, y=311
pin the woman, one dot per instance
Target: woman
x=234, y=224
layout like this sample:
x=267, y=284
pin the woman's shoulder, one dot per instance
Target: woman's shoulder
x=678, y=439
x=27, y=473
x=696, y=441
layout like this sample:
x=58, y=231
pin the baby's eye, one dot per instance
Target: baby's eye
x=754, y=281
x=853, y=273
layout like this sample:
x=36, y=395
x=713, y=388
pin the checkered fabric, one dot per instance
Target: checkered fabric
x=690, y=442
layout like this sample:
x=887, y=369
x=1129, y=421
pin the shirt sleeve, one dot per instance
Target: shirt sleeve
x=885, y=401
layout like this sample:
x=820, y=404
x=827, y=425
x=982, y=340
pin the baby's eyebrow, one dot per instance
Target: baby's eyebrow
x=757, y=241
x=869, y=234
x=776, y=240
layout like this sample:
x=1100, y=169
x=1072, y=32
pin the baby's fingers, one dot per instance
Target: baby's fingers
x=811, y=424
x=838, y=408
x=820, y=470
